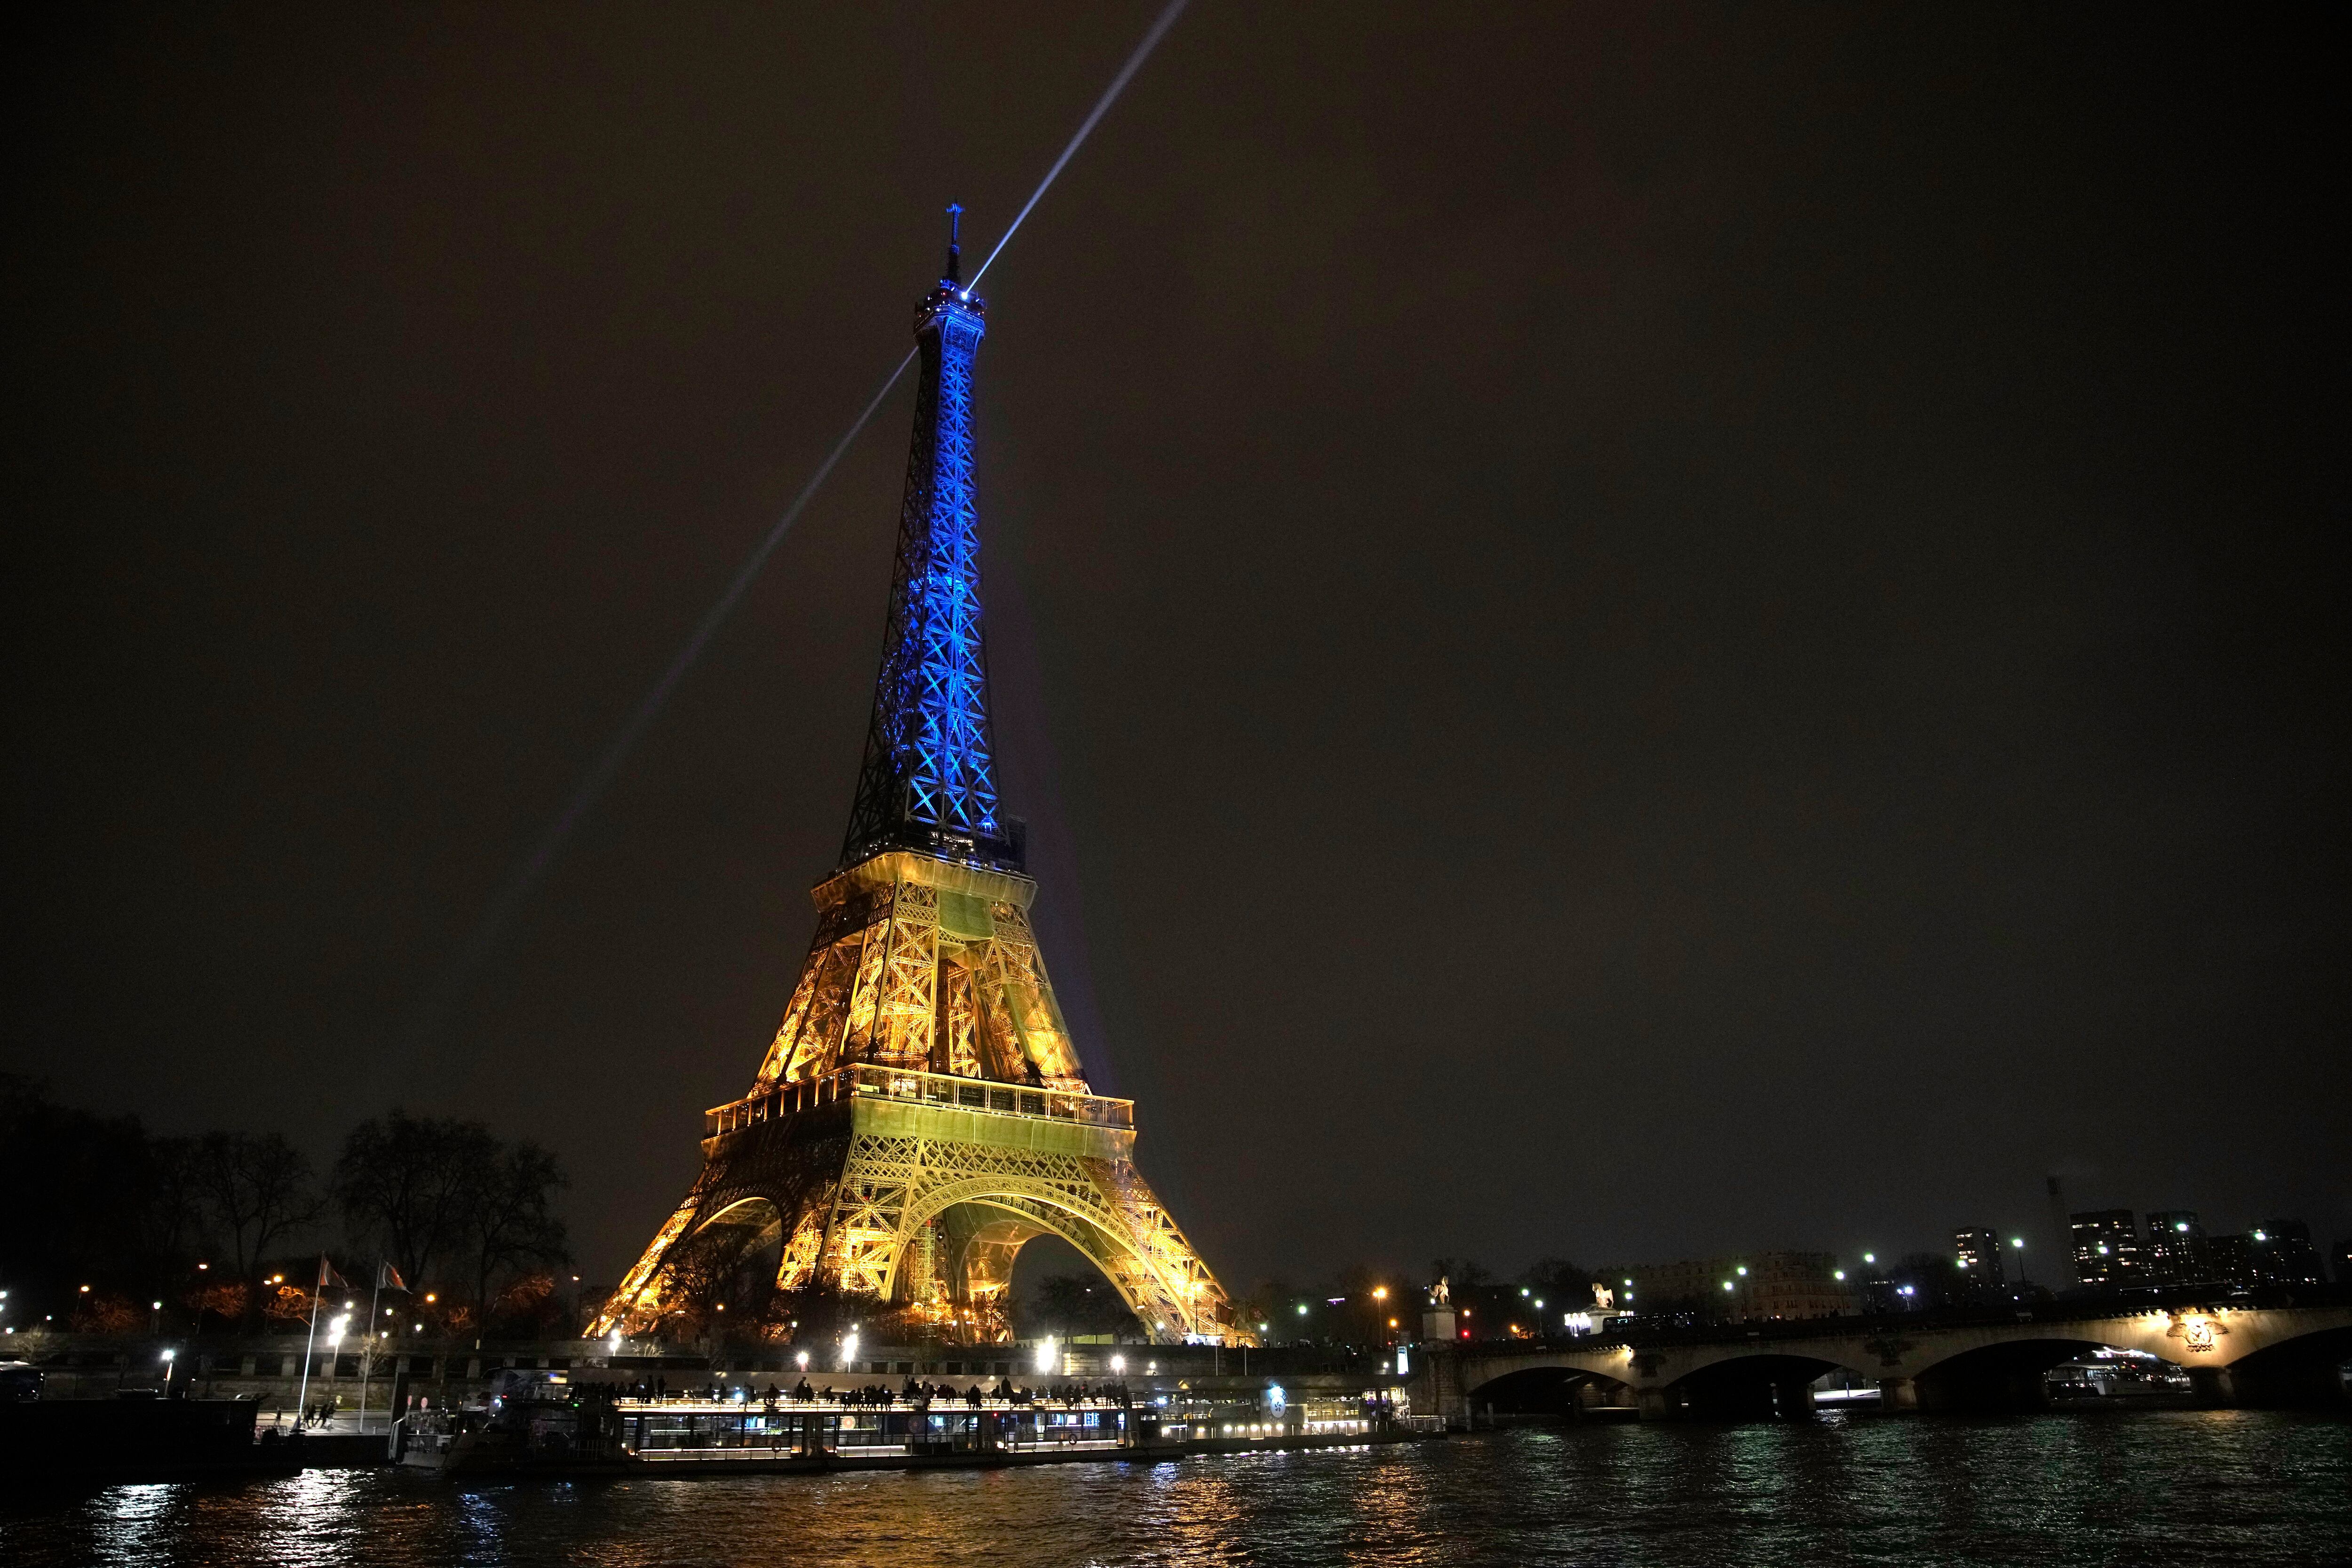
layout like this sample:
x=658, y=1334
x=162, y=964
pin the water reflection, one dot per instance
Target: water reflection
x=2149, y=1487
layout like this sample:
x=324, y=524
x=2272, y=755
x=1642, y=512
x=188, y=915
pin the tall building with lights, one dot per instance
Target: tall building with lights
x=2175, y=1248
x=2281, y=1253
x=2106, y=1251
x=921, y=1113
x=1978, y=1253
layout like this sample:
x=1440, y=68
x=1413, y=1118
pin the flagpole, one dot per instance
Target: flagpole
x=367, y=1353
x=302, y=1398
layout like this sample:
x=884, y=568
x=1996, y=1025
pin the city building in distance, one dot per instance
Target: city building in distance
x=2105, y=1246
x=2109, y=1254
x=2175, y=1243
x=1751, y=1285
x=1977, y=1252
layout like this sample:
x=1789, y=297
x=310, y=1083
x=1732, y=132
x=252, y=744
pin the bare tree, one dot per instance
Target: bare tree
x=176, y=1216
x=258, y=1192
x=510, y=1221
x=410, y=1185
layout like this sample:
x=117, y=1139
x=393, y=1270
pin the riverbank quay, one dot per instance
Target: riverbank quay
x=274, y=1371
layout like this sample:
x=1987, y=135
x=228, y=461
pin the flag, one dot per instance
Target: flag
x=390, y=1276
x=327, y=1274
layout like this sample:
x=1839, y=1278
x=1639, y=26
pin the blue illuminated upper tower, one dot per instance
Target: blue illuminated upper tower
x=928, y=782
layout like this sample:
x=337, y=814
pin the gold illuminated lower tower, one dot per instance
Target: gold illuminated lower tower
x=922, y=1114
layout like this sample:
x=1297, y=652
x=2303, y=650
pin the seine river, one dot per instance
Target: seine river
x=2222, y=1486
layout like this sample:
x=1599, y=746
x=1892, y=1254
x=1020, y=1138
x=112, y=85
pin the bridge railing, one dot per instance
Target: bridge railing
x=947, y=1090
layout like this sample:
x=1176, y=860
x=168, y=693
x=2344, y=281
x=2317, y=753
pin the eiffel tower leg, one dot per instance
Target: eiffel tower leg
x=639, y=1293
x=785, y=1178
x=896, y=1187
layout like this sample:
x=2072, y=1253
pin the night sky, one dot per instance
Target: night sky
x=1623, y=633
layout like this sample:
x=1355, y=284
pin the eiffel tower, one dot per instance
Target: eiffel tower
x=922, y=1114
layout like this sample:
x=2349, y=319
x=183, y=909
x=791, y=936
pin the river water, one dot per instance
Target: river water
x=2144, y=1488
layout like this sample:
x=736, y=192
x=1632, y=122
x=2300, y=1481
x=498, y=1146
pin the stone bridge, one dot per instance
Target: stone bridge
x=2233, y=1355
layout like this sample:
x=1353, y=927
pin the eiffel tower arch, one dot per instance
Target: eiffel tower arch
x=922, y=1114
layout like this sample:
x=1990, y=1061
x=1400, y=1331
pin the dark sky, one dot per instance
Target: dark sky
x=1626, y=633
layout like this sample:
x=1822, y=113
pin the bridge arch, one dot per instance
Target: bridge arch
x=2008, y=1373
x=1549, y=1390
x=1768, y=1385
x=2305, y=1369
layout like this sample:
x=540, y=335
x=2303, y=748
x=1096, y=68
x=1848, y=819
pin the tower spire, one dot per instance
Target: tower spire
x=929, y=781
x=954, y=273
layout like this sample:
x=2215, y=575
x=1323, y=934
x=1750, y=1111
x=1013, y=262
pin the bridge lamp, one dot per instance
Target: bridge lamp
x=1838, y=1274
x=1046, y=1355
x=802, y=1361
x=1118, y=1364
x=1302, y=1309
x=1727, y=1284
x=1870, y=1257
x=1743, y=1268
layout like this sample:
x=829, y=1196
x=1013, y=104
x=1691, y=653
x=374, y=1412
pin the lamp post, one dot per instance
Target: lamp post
x=2019, y=1243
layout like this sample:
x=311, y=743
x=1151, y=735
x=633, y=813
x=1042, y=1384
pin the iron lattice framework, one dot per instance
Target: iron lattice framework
x=930, y=778
x=921, y=1113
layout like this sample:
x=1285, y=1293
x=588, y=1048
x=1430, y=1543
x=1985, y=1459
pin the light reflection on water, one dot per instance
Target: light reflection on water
x=2248, y=1487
